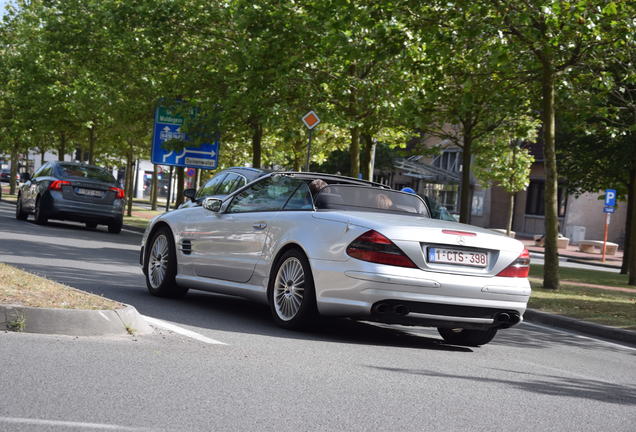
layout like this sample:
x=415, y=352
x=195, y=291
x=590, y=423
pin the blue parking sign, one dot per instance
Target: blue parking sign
x=610, y=197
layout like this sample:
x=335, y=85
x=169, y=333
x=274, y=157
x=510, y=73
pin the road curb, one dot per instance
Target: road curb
x=73, y=322
x=590, y=329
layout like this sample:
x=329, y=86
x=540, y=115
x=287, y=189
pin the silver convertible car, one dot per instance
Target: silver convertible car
x=312, y=244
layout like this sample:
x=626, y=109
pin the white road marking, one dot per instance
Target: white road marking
x=131, y=231
x=627, y=347
x=67, y=424
x=182, y=331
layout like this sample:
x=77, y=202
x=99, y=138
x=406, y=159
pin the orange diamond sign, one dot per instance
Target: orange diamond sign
x=311, y=120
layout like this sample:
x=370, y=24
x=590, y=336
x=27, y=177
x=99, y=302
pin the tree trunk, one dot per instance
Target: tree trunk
x=129, y=182
x=466, y=190
x=551, y=266
x=367, y=159
x=257, y=137
x=153, y=190
x=299, y=154
x=61, y=149
x=91, y=145
x=628, y=223
x=632, y=239
x=179, y=192
x=511, y=212
x=14, y=168
x=354, y=152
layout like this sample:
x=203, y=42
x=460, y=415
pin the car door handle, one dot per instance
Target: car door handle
x=260, y=226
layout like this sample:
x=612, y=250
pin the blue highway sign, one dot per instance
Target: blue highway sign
x=167, y=126
x=608, y=209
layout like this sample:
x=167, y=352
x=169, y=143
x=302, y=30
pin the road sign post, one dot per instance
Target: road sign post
x=608, y=208
x=310, y=120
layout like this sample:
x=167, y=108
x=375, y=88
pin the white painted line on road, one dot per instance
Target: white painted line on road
x=131, y=231
x=182, y=331
x=61, y=423
x=578, y=335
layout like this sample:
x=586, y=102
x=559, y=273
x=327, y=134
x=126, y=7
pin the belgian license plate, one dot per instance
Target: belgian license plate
x=90, y=192
x=457, y=257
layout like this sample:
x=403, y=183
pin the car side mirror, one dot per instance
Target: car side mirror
x=190, y=194
x=25, y=177
x=212, y=204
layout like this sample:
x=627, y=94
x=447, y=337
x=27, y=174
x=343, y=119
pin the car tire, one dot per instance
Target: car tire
x=115, y=227
x=20, y=214
x=467, y=337
x=161, y=266
x=291, y=292
x=91, y=225
x=40, y=213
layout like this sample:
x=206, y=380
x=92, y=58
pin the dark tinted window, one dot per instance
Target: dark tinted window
x=361, y=198
x=267, y=195
x=229, y=184
x=211, y=186
x=85, y=171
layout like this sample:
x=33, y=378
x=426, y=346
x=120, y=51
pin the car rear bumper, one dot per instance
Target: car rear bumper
x=414, y=297
x=65, y=209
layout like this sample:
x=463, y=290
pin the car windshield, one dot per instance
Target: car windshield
x=364, y=198
x=86, y=171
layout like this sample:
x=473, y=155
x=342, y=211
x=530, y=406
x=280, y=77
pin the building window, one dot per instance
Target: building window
x=449, y=160
x=535, y=199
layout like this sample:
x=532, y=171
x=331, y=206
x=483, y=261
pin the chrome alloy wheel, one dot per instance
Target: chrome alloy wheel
x=289, y=288
x=158, y=261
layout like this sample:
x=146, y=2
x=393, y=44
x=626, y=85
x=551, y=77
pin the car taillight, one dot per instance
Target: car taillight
x=57, y=184
x=374, y=247
x=519, y=268
x=120, y=193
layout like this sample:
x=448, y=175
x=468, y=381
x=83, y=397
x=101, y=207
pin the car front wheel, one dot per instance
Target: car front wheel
x=20, y=214
x=161, y=266
x=291, y=291
x=467, y=337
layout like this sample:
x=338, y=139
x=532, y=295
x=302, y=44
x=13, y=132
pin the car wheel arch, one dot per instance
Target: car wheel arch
x=152, y=232
x=285, y=248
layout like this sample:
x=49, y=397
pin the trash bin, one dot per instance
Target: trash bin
x=575, y=233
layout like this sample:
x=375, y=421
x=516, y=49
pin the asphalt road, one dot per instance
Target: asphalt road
x=341, y=376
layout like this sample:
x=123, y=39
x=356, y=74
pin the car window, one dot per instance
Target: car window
x=365, y=198
x=267, y=195
x=38, y=173
x=87, y=172
x=211, y=186
x=300, y=200
x=228, y=184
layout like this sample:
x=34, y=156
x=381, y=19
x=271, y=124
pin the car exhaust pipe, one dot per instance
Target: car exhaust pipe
x=502, y=317
x=381, y=308
x=400, y=309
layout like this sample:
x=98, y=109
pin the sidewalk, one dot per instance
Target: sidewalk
x=573, y=254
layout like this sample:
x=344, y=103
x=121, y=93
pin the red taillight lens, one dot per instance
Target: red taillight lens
x=57, y=184
x=519, y=268
x=120, y=193
x=374, y=247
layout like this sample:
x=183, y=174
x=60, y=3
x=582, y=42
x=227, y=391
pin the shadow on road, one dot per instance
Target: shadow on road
x=544, y=384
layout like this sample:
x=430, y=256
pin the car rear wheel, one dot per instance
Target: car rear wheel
x=20, y=214
x=291, y=291
x=115, y=227
x=161, y=266
x=467, y=337
x=40, y=213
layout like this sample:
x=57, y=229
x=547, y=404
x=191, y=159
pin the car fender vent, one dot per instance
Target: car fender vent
x=186, y=247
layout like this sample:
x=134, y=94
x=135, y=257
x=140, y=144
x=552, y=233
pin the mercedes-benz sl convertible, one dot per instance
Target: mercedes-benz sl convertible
x=314, y=244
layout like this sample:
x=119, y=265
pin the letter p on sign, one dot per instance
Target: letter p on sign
x=610, y=197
